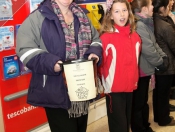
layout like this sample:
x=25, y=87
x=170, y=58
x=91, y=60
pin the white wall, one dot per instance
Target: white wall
x=1, y=119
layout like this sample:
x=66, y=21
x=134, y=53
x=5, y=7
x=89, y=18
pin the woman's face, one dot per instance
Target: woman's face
x=64, y=3
x=119, y=13
x=171, y=2
x=165, y=11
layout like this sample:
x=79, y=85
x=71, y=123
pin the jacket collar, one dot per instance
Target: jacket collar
x=124, y=29
x=156, y=15
x=46, y=9
x=148, y=21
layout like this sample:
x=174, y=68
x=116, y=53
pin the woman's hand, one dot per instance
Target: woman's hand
x=57, y=66
x=93, y=56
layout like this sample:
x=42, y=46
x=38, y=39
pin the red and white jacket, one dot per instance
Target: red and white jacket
x=120, y=60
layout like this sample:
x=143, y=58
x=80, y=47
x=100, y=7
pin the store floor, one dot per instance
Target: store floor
x=101, y=125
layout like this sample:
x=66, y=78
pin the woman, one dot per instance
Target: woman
x=171, y=20
x=57, y=31
x=164, y=33
x=170, y=14
x=151, y=56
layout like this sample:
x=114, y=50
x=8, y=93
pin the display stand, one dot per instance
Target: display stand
x=15, y=114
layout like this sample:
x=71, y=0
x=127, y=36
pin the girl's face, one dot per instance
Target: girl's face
x=171, y=2
x=147, y=11
x=119, y=13
x=150, y=9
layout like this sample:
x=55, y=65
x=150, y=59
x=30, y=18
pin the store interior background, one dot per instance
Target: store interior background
x=15, y=114
x=13, y=90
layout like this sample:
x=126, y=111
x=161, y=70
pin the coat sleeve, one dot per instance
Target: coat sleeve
x=29, y=50
x=148, y=49
x=169, y=34
x=96, y=45
x=160, y=51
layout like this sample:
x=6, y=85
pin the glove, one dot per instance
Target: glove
x=164, y=66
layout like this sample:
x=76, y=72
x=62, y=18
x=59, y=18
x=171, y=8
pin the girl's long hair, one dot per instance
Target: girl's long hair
x=108, y=23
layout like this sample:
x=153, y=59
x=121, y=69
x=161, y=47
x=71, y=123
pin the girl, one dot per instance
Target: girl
x=164, y=33
x=150, y=57
x=121, y=45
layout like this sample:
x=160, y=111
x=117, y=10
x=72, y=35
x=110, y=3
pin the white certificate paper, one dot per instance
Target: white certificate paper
x=80, y=81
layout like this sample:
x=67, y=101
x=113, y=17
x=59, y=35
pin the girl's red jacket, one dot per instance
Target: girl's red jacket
x=119, y=68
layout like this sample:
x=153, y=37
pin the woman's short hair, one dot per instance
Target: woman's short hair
x=159, y=3
x=137, y=5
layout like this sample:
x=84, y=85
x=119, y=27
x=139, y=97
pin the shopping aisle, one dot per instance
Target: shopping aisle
x=101, y=124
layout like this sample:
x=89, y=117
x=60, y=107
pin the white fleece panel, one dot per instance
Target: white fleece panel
x=137, y=51
x=108, y=82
